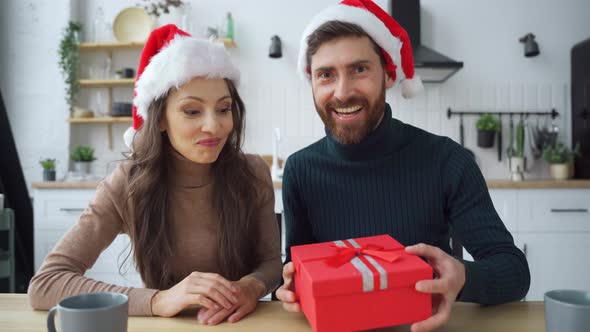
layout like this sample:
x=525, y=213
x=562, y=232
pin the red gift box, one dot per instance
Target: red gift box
x=360, y=284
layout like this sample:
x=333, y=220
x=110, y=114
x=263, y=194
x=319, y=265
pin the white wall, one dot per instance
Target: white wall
x=30, y=81
x=482, y=34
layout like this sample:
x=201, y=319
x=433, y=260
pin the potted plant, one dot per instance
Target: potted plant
x=82, y=156
x=48, y=169
x=69, y=61
x=487, y=126
x=516, y=157
x=560, y=159
x=158, y=7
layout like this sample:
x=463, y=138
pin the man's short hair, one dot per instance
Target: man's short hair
x=336, y=29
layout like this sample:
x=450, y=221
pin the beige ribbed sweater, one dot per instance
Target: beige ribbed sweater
x=194, y=227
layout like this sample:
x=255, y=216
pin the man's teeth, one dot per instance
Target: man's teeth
x=347, y=110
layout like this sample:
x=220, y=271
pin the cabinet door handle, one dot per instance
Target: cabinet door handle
x=72, y=209
x=569, y=210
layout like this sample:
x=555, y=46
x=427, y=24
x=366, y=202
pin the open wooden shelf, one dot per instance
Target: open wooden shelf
x=91, y=83
x=91, y=47
x=108, y=119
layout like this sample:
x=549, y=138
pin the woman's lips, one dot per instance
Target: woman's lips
x=210, y=142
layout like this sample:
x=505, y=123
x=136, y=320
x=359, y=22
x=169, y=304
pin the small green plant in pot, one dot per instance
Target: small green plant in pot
x=487, y=126
x=82, y=156
x=560, y=159
x=48, y=169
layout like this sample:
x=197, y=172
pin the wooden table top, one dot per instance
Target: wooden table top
x=492, y=184
x=17, y=315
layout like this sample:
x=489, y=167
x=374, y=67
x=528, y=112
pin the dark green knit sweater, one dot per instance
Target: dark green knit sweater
x=410, y=184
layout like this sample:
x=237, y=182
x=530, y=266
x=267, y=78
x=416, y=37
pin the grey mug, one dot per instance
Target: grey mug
x=92, y=312
x=567, y=310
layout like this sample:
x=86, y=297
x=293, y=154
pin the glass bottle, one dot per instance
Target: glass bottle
x=98, y=26
x=229, y=34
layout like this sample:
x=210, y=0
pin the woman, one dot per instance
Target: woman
x=200, y=213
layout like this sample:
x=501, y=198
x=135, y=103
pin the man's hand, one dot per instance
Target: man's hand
x=449, y=280
x=250, y=290
x=285, y=293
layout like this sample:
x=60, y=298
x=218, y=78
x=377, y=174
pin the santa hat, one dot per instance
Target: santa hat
x=382, y=28
x=171, y=58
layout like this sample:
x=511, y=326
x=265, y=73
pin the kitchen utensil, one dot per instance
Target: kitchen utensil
x=499, y=137
x=567, y=310
x=80, y=112
x=516, y=160
x=462, y=135
x=520, y=140
x=128, y=72
x=121, y=109
x=510, y=149
x=532, y=135
x=132, y=24
x=92, y=312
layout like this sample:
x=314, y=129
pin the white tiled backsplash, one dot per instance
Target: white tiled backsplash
x=289, y=106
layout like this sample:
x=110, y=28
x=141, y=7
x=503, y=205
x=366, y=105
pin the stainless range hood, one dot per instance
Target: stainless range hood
x=431, y=66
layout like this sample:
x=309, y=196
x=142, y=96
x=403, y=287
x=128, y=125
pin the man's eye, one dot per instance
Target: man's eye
x=325, y=75
x=361, y=69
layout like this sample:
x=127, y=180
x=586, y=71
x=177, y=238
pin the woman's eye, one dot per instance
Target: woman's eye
x=225, y=109
x=192, y=112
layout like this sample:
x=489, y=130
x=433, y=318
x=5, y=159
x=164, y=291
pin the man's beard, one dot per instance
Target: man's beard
x=354, y=132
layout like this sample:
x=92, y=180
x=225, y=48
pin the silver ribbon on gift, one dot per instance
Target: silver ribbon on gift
x=366, y=273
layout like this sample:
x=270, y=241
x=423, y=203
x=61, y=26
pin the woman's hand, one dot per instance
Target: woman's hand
x=250, y=290
x=208, y=290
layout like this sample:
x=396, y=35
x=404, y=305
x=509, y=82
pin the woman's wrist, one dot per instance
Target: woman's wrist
x=155, y=303
x=256, y=286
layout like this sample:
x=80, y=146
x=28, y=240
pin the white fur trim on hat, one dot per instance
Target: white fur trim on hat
x=183, y=59
x=128, y=136
x=372, y=25
x=412, y=87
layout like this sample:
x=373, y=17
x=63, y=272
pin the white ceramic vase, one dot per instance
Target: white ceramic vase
x=560, y=171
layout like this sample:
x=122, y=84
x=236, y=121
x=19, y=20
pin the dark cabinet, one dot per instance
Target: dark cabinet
x=581, y=106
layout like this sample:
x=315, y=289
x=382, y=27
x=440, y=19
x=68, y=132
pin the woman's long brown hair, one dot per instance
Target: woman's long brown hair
x=234, y=199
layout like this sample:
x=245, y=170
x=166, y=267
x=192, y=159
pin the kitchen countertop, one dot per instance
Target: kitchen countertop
x=492, y=184
x=538, y=184
x=17, y=315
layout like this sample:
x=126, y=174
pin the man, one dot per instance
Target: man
x=374, y=175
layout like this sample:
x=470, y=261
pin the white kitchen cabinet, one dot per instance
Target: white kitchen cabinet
x=56, y=211
x=552, y=228
x=554, y=210
x=556, y=261
x=504, y=204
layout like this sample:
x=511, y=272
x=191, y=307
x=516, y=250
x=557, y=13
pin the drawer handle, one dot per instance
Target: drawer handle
x=71, y=209
x=569, y=210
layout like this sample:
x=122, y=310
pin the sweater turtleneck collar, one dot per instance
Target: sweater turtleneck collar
x=385, y=139
x=187, y=173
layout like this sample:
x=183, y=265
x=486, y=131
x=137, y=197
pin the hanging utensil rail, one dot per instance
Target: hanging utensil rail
x=553, y=113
